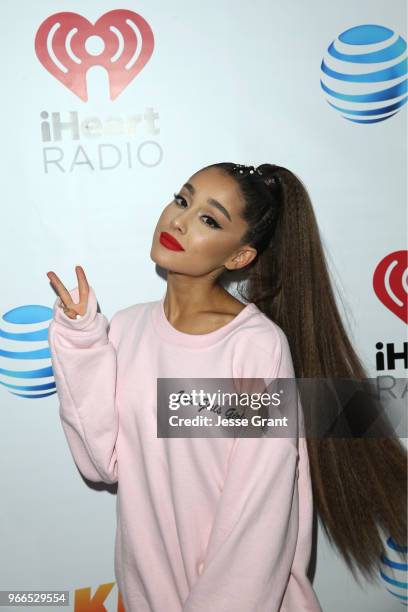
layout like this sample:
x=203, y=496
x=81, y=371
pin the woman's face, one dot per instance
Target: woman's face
x=205, y=220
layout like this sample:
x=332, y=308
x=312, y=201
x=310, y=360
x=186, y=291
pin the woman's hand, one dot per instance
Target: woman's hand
x=68, y=306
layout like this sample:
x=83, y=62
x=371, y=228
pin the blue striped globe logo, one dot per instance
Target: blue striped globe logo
x=394, y=571
x=364, y=73
x=25, y=359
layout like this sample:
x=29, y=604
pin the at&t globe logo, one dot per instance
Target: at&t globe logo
x=25, y=360
x=364, y=73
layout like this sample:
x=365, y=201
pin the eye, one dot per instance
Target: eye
x=213, y=223
x=178, y=197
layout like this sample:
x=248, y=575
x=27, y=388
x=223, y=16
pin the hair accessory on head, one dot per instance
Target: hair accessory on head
x=268, y=179
x=242, y=169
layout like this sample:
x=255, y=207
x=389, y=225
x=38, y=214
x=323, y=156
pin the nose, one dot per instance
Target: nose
x=179, y=222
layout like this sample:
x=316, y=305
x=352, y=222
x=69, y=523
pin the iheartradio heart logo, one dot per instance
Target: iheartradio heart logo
x=390, y=282
x=126, y=42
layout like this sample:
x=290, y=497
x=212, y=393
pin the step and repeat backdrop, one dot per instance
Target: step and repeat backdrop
x=108, y=108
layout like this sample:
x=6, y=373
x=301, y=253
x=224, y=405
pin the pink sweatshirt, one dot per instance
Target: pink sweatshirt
x=203, y=524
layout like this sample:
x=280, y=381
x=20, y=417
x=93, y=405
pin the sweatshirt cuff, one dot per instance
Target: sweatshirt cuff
x=83, y=321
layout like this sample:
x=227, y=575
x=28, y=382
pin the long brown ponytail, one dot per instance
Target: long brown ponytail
x=359, y=484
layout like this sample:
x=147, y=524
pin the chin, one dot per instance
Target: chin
x=161, y=256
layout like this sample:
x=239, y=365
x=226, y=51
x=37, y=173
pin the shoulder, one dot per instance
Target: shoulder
x=131, y=316
x=262, y=347
x=133, y=311
x=263, y=333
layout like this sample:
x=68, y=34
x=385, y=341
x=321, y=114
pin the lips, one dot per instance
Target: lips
x=169, y=242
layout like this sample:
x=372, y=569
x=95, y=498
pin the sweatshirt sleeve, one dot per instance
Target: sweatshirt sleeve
x=253, y=539
x=83, y=358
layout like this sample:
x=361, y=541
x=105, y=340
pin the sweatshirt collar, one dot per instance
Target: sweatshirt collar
x=169, y=333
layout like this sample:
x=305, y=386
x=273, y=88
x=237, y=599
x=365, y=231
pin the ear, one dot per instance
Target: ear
x=241, y=258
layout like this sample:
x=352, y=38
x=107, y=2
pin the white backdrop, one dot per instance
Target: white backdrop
x=226, y=81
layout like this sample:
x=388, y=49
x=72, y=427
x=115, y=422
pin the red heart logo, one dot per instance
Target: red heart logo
x=60, y=45
x=390, y=282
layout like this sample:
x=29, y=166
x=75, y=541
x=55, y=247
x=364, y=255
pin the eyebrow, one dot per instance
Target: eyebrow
x=211, y=201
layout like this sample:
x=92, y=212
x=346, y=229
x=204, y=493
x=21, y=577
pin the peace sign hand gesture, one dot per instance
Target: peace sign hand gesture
x=71, y=309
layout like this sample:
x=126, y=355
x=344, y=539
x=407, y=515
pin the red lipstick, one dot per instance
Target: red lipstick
x=170, y=242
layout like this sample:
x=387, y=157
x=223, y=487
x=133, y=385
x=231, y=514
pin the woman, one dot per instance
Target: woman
x=213, y=523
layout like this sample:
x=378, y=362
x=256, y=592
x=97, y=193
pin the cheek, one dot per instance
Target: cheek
x=211, y=244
